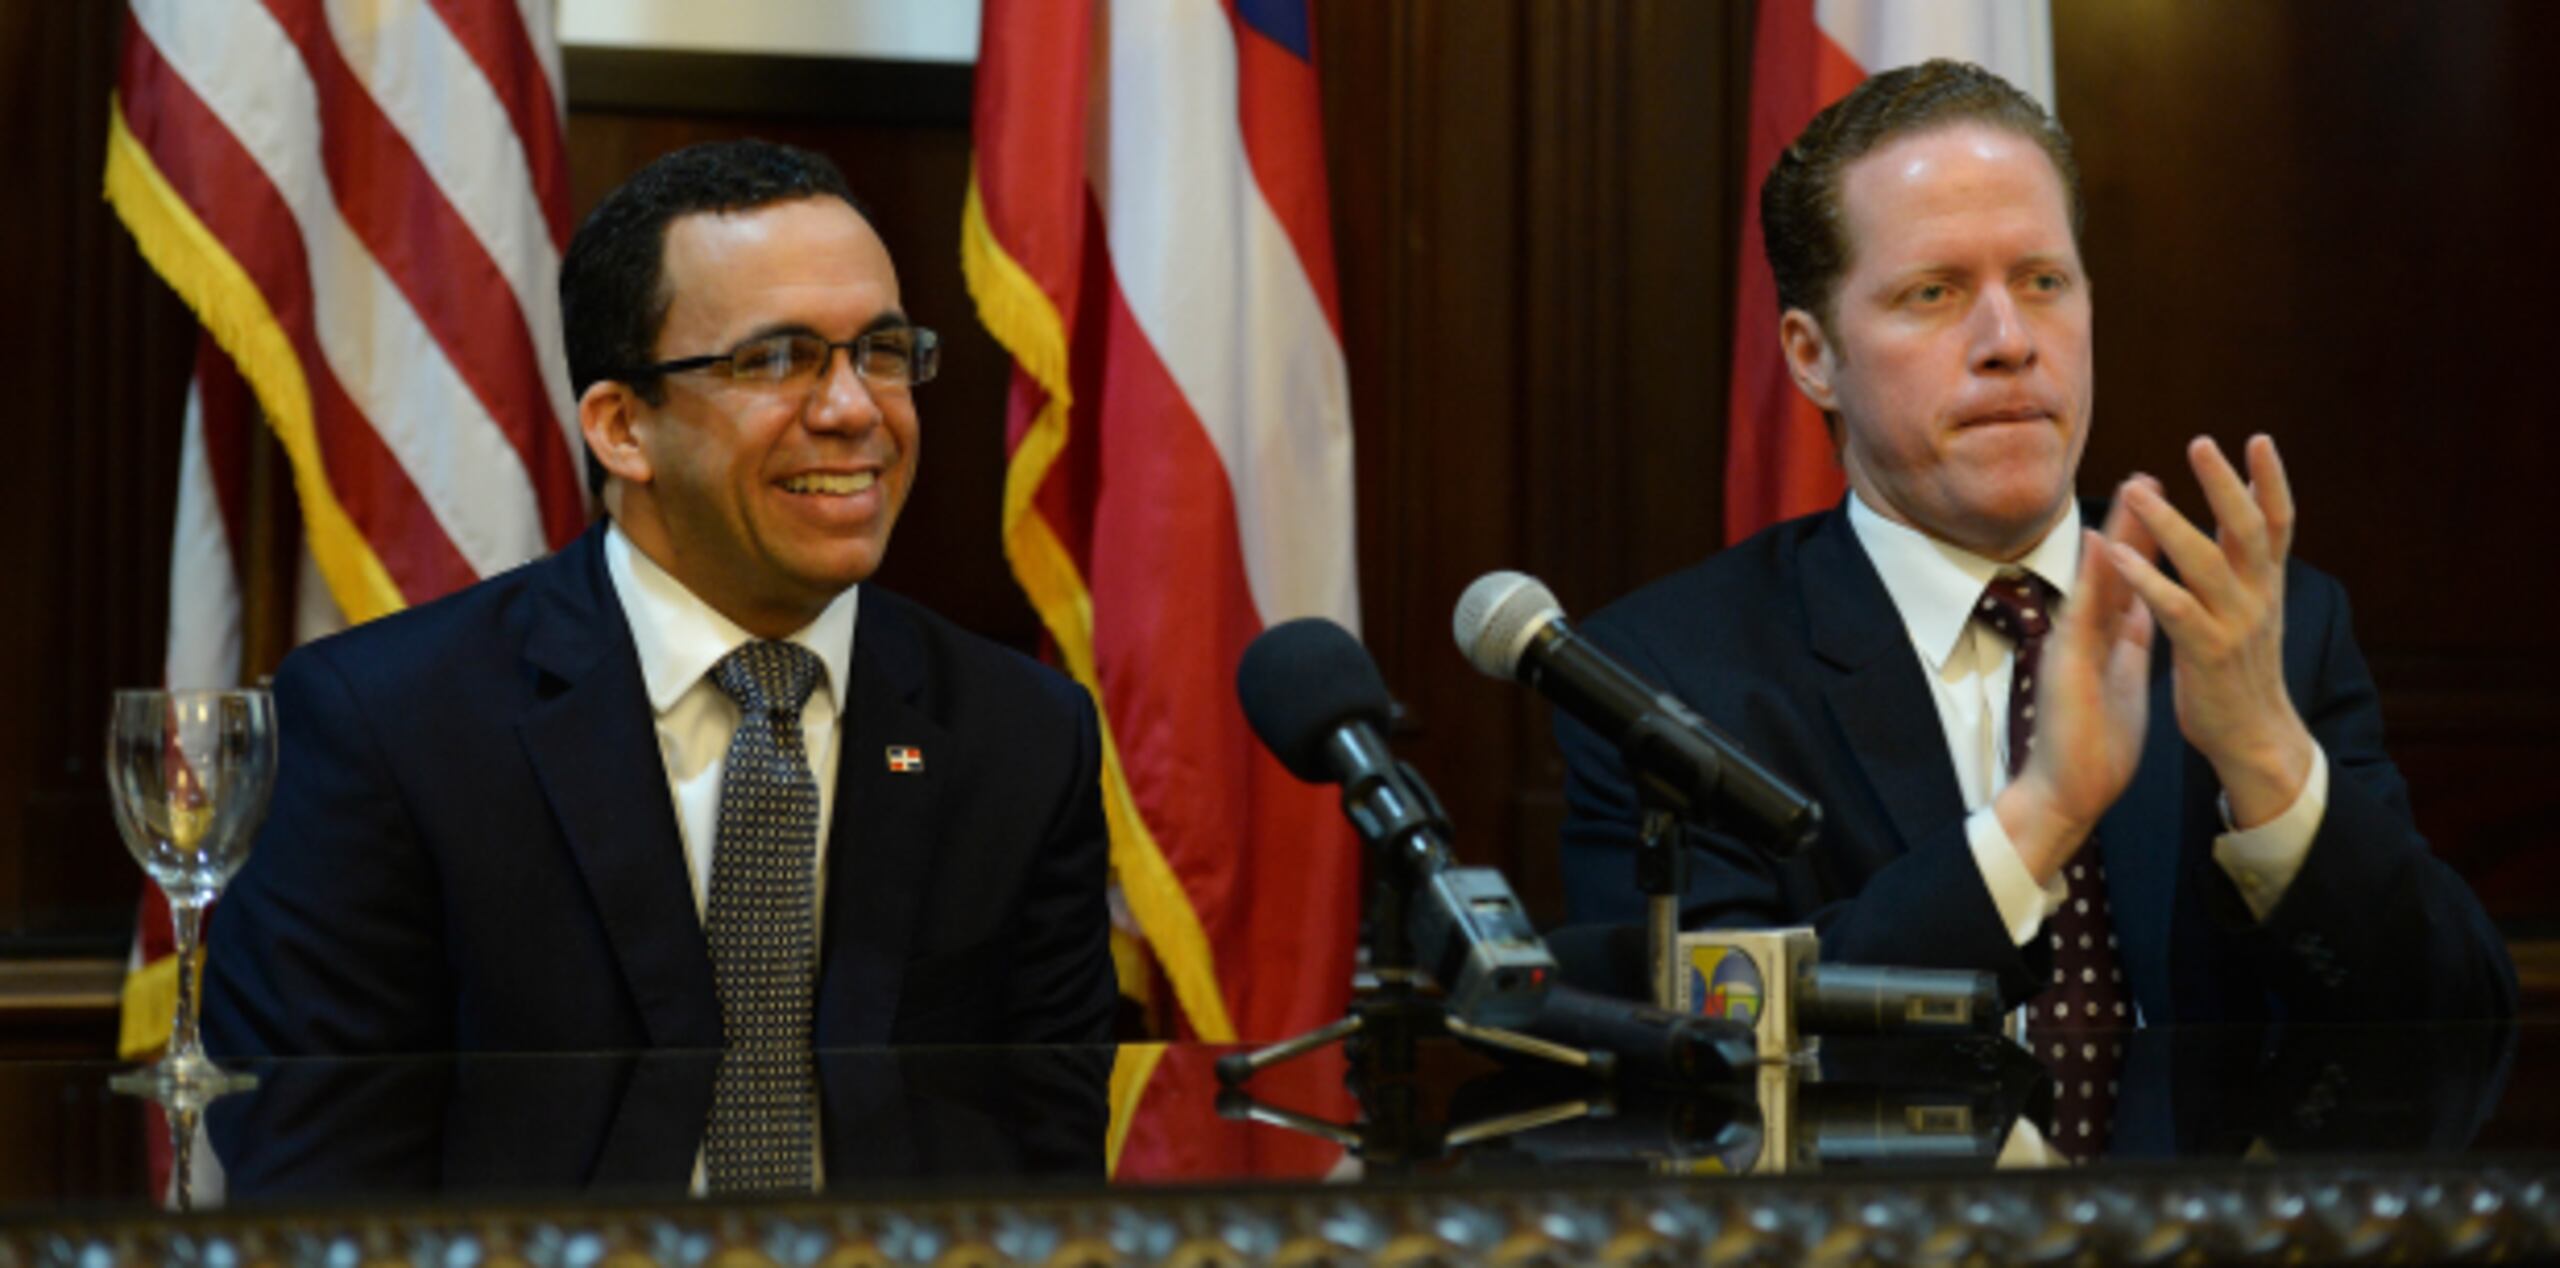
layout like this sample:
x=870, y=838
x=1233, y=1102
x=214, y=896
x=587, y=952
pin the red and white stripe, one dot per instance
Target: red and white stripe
x=205, y=632
x=402, y=213
x=1217, y=282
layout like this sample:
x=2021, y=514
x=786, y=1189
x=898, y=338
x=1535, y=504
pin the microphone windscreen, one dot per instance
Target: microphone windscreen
x=1300, y=682
x=1496, y=618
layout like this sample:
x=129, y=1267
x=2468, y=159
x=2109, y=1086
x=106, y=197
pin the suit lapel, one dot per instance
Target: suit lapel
x=594, y=745
x=881, y=844
x=1881, y=690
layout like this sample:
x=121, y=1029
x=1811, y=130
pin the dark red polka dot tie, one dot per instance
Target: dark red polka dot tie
x=2073, y=1026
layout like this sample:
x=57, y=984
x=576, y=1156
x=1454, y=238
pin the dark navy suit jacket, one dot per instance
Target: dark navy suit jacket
x=1790, y=643
x=473, y=846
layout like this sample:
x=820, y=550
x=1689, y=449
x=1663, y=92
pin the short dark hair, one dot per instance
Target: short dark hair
x=1802, y=225
x=613, y=295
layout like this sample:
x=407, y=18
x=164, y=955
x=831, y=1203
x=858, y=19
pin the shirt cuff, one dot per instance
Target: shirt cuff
x=2026, y=1148
x=2263, y=860
x=2022, y=903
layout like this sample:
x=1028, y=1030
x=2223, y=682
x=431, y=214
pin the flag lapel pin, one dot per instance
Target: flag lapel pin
x=905, y=759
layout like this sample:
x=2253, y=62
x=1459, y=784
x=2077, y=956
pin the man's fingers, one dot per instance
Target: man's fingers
x=2202, y=566
x=2176, y=609
x=2095, y=617
x=2274, y=495
x=2132, y=649
x=2138, y=627
x=2097, y=587
x=2123, y=526
x=2242, y=523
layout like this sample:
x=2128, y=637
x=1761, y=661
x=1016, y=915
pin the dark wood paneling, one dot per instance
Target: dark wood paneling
x=1423, y=105
x=95, y=353
x=768, y=89
x=1534, y=207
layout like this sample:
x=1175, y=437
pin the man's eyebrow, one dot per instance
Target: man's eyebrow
x=890, y=319
x=770, y=329
x=1893, y=282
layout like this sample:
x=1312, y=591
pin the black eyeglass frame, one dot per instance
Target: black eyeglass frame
x=924, y=358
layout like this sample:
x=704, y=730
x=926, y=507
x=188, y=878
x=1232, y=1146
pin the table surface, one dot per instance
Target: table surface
x=2433, y=1133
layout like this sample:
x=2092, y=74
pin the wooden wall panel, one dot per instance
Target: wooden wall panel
x=1534, y=213
x=94, y=352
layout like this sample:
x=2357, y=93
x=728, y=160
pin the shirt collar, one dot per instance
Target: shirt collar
x=680, y=637
x=1935, y=585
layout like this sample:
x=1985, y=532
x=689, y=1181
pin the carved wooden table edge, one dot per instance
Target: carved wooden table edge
x=2181, y=1215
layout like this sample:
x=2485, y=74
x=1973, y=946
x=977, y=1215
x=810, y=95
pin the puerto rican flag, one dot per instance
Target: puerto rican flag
x=1805, y=55
x=1146, y=233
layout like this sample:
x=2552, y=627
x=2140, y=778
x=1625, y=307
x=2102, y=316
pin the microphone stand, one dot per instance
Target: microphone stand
x=1662, y=876
x=1378, y=1033
x=1379, y=1036
x=1398, y=1008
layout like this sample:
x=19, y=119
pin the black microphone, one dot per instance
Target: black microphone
x=1866, y=999
x=1314, y=697
x=1510, y=626
x=1654, y=1042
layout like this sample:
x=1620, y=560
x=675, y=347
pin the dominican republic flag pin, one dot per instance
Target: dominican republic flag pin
x=905, y=760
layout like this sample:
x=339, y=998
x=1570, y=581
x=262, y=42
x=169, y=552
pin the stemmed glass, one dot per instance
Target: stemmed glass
x=189, y=773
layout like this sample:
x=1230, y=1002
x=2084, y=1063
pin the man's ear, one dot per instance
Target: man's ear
x=608, y=415
x=1809, y=358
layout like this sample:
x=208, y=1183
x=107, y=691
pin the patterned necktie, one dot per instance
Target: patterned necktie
x=2070, y=1025
x=762, y=928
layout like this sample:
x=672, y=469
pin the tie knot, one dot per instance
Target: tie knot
x=2018, y=605
x=768, y=677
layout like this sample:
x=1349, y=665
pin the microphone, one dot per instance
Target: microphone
x=1662, y=1045
x=1792, y=993
x=1865, y=999
x=1314, y=697
x=1510, y=626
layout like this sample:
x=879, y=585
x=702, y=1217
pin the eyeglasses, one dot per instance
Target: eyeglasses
x=898, y=356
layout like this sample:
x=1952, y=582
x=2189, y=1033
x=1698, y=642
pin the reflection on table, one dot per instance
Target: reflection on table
x=2331, y=1142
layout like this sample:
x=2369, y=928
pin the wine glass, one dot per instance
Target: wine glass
x=189, y=772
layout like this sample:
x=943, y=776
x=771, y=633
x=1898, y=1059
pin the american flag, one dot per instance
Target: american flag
x=365, y=202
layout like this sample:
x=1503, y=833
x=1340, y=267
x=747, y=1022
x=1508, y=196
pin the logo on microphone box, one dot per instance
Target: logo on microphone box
x=1726, y=983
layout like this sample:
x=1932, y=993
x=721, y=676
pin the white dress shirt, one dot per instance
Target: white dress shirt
x=1936, y=587
x=680, y=638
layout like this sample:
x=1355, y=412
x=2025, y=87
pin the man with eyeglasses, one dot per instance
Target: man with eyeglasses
x=688, y=782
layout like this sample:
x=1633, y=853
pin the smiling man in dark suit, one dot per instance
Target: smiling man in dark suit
x=2181, y=810
x=687, y=782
